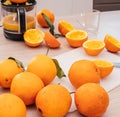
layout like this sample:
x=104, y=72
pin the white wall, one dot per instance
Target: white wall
x=65, y=7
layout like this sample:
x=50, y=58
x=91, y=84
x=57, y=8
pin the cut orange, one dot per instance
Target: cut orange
x=51, y=41
x=93, y=47
x=76, y=38
x=64, y=27
x=111, y=43
x=33, y=37
x=105, y=67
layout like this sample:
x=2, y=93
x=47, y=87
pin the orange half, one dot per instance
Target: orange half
x=111, y=43
x=64, y=27
x=51, y=41
x=76, y=38
x=33, y=37
x=105, y=67
x=93, y=47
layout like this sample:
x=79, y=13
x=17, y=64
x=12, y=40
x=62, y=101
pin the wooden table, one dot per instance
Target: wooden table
x=109, y=23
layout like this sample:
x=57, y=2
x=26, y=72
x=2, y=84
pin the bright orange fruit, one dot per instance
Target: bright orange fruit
x=26, y=85
x=8, y=69
x=83, y=71
x=64, y=27
x=51, y=41
x=41, y=20
x=53, y=101
x=93, y=47
x=105, y=67
x=33, y=37
x=91, y=100
x=44, y=67
x=11, y=106
x=111, y=43
x=76, y=38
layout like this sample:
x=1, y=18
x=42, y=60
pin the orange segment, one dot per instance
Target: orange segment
x=64, y=27
x=33, y=37
x=93, y=47
x=51, y=41
x=111, y=43
x=76, y=38
x=105, y=67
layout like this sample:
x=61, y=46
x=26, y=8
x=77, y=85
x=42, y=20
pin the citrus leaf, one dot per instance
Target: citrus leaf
x=19, y=63
x=49, y=23
x=60, y=72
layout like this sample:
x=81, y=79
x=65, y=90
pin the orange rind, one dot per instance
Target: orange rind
x=93, y=47
x=111, y=43
x=33, y=37
x=76, y=38
x=104, y=66
x=64, y=27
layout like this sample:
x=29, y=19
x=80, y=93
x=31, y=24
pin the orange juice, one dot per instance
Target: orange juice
x=10, y=24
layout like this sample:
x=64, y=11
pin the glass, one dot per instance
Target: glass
x=89, y=21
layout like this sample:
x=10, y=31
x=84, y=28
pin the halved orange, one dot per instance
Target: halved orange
x=64, y=27
x=76, y=38
x=51, y=41
x=111, y=43
x=106, y=67
x=93, y=47
x=33, y=37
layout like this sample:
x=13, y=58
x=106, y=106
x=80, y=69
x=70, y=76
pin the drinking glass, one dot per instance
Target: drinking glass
x=89, y=21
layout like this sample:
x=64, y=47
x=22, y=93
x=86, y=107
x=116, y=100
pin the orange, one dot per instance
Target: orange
x=11, y=106
x=64, y=27
x=93, y=47
x=44, y=67
x=33, y=37
x=26, y=85
x=111, y=43
x=83, y=71
x=53, y=101
x=41, y=20
x=18, y=1
x=76, y=38
x=8, y=69
x=105, y=67
x=91, y=100
x=51, y=41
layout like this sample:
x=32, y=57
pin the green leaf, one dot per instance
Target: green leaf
x=51, y=26
x=19, y=63
x=49, y=23
x=60, y=72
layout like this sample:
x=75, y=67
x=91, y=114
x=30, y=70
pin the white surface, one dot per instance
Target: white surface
x=66, y=60
x=65, y=7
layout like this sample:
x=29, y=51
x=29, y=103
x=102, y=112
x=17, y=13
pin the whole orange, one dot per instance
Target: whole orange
x=11, y=106
x=53, y=101
x=41, y=20
x=44, y=67
x=26, y=85
x=91, y=100
x=8, y=69
x=83, y=71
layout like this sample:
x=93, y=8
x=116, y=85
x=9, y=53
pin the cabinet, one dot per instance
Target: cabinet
x=106, y=5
